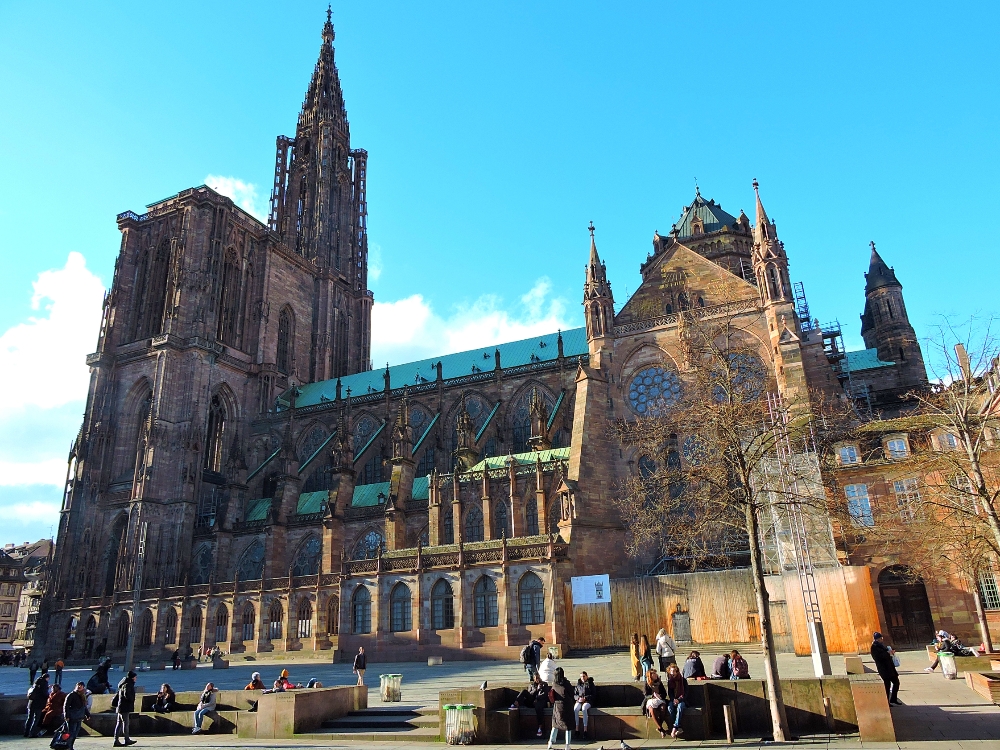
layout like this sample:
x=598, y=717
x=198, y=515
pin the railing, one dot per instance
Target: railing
x=701, y=313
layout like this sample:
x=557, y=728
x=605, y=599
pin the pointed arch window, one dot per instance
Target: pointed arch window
x=473, y=525
x=170, y=628
x=333, y=616
x=115, y=549
x=501, y=521
x=146, y=628
x=215, y=433
x=249, y=622
x=484, y=596
x=305, y=619
x=142, y=423
x=442, y=606
x=427, y=462
x=275, y=615
x=221, y=624
x=124, y=624
x=251, y=567
x=90, y=635
x=229, y=301
x=400, y=612
x=531, y=516
x=283, y=359
x=531, y=596
x=449, y=524
x=194, y=634
x=201, y=566
x=307, y=559
x=369, y=546
x=361, y=611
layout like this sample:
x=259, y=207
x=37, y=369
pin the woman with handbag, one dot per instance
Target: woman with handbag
x=654, y=705
x=886, y=662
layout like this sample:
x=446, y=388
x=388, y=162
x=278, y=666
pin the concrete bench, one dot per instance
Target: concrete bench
x=981, y=663
x=176, y=722
x=987, y=684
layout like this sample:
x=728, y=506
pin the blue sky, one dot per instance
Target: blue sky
x=495, y=133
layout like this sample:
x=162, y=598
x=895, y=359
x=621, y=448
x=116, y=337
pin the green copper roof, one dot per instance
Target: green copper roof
x=258, y=509
x=499, y=462
x=865, y=359
x=367, y=495
x=311, y=502
x=421, y=488
x=536, y=349
x=711, y=214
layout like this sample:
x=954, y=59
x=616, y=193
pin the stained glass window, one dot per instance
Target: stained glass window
x=531, y=516
x=501, y=521
x=426, y=465
x=312, y=442
x=474, y=525
x=201, y=566
x=307, y=560
x=369, y=546
x=653, y=390
x=363, y=430
x=745, y=377
x=251, y=566
x=449, y=525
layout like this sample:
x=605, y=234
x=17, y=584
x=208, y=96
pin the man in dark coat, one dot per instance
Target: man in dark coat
x=75, y=710
x=124, y=705
x=38, y=696
x=535, y=657
x=882, y=656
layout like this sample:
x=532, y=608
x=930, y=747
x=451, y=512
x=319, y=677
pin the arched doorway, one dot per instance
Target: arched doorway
x=907, y=614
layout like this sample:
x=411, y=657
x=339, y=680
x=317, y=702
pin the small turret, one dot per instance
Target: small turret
x=770, y=264
x=598, y=302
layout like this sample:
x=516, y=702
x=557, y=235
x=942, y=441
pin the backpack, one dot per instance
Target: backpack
x=528, y=654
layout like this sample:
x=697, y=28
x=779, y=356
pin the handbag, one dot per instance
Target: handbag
x=895, y=660
x=60, y=740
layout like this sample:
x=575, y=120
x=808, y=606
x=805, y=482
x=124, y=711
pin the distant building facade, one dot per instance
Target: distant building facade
x=35, y=562
x=287, y=497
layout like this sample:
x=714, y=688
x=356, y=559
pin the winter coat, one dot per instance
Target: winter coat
x=52, y=716
x=585, y=691
x=741, y=670
x=361, y=661
x=126, y=696
x=720, y=669
x=633, y=652
x=562, y=706
x=882, y=657
x=38, y=696
x=676, y=687
x=536, y=653
x=665, y=646
x=694, y=668
x=547, y=669
x=75, y=707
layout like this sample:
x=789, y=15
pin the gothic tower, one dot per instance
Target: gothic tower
x=319, y=210
x=770, y=267
x=885, y=324
x=598, y=304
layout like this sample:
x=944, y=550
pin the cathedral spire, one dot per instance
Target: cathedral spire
x=598, y=301
x=764, y=229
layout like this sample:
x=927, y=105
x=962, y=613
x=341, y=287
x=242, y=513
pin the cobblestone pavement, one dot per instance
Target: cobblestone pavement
x=938, y=713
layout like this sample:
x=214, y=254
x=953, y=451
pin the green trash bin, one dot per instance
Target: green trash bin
x=460, y=724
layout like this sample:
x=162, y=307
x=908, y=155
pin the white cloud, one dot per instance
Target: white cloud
x=44, y=379
x=42, y=360
x=244, y=194
x=409, y=329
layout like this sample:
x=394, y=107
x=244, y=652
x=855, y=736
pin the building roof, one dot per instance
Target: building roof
x=865, y=359
x=710, y=213
x=367, y=495
x=499, y=462
x=879, y=274
x=526, y=351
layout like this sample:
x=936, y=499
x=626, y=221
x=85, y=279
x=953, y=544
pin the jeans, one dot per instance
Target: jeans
x=200, y=714
x=532, y=670
x=34, y=722
x=74, y=731
x=582, y=709
x=554, y=734
x=524, y=698
x=58, y=680
x=675, y=711
x=121, y=723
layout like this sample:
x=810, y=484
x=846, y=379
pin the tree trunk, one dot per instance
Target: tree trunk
x=982, y=491
x=984, y=626
x=779, y=721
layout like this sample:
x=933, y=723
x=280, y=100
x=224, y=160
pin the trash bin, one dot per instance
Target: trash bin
x=948, y=667
x=460, y=724
x=390, y=687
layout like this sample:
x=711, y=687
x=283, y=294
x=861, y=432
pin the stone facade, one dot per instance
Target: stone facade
x=286, y=497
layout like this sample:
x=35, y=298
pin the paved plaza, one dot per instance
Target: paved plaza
x=938, y=713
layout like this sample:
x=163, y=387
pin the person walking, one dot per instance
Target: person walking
x=124, y=705
x=666, y=650
x=676, y=691
x=360, y=665
x=59, y=670
x=536, y=696
x=584, y=700
x=562, y=708
x=206, y=705
x=38, y=696
x=32, y=670
x=633, y=652
x=655, y=702
x=175, y=660
x=531, y=656
x=882, y=655
x=75, y=710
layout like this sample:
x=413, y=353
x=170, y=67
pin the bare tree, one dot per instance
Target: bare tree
x=707, y=483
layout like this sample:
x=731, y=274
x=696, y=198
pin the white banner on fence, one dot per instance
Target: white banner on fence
x=591, y=590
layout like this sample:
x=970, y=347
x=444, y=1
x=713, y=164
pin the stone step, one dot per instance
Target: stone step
x=382, y=722
x=421, y=734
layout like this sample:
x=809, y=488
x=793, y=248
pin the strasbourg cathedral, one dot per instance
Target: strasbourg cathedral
x=284, y=496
